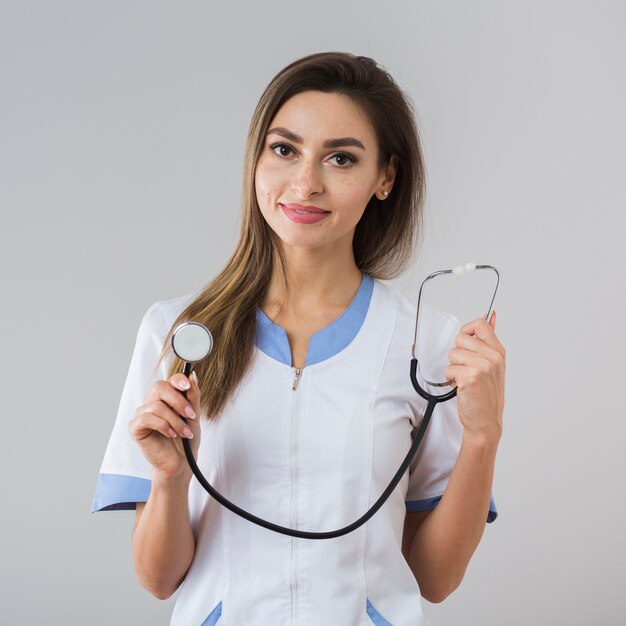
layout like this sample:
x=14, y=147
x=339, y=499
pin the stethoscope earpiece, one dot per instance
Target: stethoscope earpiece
x=459, y=270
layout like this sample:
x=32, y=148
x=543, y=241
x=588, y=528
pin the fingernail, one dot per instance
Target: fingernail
x=184, y=384
x=194, y=377
x=188, y=433
x=171, y=432
x=189, y=412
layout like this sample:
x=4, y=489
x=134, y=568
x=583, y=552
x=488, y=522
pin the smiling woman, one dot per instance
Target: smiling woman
x=304, y=410
x=293, y=178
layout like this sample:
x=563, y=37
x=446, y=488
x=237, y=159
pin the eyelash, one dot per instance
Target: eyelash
x=350, y=158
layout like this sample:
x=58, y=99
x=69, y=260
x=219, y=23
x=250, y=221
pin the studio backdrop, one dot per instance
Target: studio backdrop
x=122, y=129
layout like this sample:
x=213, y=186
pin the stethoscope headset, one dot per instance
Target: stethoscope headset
x=192, y=342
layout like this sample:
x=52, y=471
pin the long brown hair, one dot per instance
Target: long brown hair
x=384, y=238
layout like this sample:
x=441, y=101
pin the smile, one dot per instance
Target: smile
x=304, y=214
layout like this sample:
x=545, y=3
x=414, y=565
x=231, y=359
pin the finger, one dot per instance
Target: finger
x=166, y=391
x=492, y=319
x=483, y=330
x=180, y=381
x=460, y=374
x=467, y=358
x=454, y=373
x=451, y=372
x=478, y=327
x=163, y=411
x=190, y=389
x=146, y=423
x=473, y=344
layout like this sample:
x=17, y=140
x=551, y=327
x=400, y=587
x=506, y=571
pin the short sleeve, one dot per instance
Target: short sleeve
x=432, y=466
x=124, y=477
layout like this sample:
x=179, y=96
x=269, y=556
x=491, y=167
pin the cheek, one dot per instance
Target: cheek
x=267, y=190
x=260, y=183
x=267, y=180
x=354, y=193
x=262, y=193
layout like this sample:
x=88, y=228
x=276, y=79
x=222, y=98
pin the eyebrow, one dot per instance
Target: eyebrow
x=329, y=143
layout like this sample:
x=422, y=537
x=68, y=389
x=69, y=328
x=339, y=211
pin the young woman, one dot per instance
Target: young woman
x=304, y=410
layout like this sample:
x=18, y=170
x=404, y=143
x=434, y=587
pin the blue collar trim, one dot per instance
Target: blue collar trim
x=272, y=339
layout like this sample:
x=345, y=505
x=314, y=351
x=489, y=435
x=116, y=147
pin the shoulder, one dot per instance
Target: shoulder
x=389, y=297
x=161, y=315
x=434, y=321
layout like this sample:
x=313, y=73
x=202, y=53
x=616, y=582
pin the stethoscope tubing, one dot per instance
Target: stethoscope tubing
x=432, y=401
x=302, y=534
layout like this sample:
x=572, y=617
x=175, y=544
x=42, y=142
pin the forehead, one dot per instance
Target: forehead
x=317, y=116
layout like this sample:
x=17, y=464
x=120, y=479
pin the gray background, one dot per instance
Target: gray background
x=122, y=128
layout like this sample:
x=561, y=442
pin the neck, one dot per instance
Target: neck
x=313, y=278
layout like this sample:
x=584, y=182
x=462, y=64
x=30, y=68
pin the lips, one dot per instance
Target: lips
x=307, y=209
x=304, y=214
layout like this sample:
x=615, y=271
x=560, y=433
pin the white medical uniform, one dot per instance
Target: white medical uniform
x=314, y=456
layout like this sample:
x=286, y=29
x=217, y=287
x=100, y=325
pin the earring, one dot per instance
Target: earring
x=385, y=193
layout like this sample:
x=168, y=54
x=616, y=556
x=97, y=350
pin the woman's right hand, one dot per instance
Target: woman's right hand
x=158, y=428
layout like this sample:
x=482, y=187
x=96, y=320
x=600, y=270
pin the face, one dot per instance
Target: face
x=318, y=170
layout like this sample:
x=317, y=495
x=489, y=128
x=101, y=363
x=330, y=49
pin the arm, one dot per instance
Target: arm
x=163, y=541
x=439, y=544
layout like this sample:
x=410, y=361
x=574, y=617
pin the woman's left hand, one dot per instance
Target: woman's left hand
x=477, y=364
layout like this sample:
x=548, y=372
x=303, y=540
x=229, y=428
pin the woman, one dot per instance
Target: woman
x=304, y=410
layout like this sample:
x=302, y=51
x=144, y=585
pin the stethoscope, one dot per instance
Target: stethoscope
x=192, y=342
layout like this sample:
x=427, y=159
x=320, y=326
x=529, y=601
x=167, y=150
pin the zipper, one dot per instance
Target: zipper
x=296, y=380
x=295, y=410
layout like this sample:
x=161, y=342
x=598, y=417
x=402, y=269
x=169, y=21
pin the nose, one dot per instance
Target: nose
x=307, y=180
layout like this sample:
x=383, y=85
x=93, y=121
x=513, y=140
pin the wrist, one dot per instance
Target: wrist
x=167, y=481
x=484, y=440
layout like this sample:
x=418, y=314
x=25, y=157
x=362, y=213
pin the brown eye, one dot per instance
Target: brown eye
x=343, y=160
x=281, y=149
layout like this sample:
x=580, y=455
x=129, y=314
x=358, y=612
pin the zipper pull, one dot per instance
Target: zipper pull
x=296, y=380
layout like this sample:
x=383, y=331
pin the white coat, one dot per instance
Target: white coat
x=313, y=457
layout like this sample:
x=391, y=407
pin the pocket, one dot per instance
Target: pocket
x=214, y=616
x=375, y=616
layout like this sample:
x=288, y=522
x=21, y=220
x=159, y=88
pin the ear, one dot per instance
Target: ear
x=388, y=178
x=392, y=168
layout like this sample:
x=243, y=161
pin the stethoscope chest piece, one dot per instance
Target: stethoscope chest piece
x=192, y=342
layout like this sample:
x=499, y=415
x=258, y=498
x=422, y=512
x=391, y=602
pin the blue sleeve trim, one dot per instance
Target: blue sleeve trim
x=117, y=492
x=493, y=512
x=428, y=504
